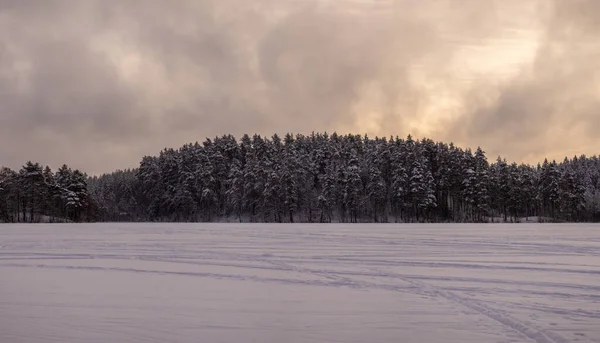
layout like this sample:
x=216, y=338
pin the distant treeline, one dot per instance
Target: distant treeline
x=35, y=194
x=315, y=178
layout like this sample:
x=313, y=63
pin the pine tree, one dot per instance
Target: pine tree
x=572, y=193
x=514, y=204
x=10, y=194
x=399, y=178
x=49, y=191
x=421, y=188
x=501, y=190
x=481, y=185
x=319, y=177
x=149, y=176
x=376, y=188
x=528, y=190
x=329, y=200
x=550, y=188
x=352, y=188
x=290, y=178
x=32, y=182
x=235, y=188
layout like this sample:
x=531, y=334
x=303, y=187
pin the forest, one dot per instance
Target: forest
x=320, y=178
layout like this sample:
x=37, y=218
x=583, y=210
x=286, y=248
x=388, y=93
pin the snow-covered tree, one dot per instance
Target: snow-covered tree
x=319, y=177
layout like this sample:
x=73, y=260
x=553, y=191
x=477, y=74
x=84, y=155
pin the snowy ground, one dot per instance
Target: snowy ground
x=299, y=283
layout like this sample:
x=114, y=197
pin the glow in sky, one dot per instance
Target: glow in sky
x=98, y=84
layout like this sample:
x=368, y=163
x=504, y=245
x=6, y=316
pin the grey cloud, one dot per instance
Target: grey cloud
x=97, y=84
x=552, y=107
x=58, y=94
x=320, y=63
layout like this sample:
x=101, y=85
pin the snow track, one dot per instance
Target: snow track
x=528, y=331
x=299, y=283
x=534, y=334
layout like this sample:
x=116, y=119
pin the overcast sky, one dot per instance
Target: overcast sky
x=97, y=84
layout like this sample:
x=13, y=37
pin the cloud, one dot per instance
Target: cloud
x=552, y=107
x=98, y=84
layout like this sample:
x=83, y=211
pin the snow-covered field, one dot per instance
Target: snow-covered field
x=299, y=283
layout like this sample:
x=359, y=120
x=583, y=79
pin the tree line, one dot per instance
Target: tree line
x=344, y=178
x=314, y=178
x=35, y=194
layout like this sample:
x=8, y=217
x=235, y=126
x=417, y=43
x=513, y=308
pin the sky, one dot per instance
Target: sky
x=97, y=84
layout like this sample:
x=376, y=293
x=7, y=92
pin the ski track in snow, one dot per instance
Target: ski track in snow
x=306, y=283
